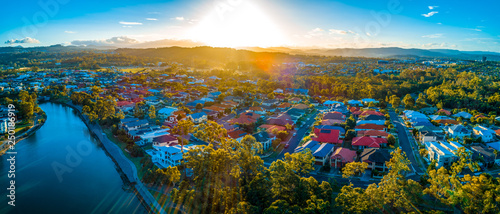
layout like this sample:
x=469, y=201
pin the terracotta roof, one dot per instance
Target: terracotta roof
x=301, y=106
x=454, y=122
x=346, y=155
x=285, y=105
x=370, y=126
x=373, y=133
x=256, y=108
x=368, y=141
x=236, y=134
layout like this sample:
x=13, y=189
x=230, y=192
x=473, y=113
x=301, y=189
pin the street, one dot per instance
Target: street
x=404, y=143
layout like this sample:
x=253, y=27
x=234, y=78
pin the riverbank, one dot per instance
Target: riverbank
x=4, y=146
x=124, y=164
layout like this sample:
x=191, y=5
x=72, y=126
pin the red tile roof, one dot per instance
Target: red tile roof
x=345, y=155
x=236, y=134
x=444, y=111
x=328, y=136
x=368, y=141
x=370, y=126
x=373, y=133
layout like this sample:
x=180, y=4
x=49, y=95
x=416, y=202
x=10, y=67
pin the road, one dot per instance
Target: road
x=404, y=142
x=295, y=140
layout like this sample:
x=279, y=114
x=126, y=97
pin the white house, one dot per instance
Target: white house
x=437, y=152
x=198, y=117
x=264, y=139
x=148, y=137
x=3, y=125
x=458, y=131
x=486, y=134
x=167, y=156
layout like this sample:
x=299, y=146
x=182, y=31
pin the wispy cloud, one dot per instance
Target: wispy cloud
x=130, y=23
x=433, y=7
x=179, y=18
x=432, y=13
x=71, y=32
x=22, y=41
x=434, y=36
x=151, y=19
x=340, y=32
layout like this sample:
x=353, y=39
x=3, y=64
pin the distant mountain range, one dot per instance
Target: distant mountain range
x=389, y=52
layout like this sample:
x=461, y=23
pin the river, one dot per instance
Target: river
x=63, y=169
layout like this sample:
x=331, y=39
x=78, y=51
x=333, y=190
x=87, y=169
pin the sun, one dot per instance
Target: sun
x=239, y=25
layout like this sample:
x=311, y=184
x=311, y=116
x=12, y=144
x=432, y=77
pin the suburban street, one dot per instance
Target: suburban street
x=295, y=140
x=404, y=143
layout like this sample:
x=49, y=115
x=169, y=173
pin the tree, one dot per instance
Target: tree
x=199, y=106
x=421, y=101
x=354, y=169
x=152, y=112
x=391, y=140
x=350, y=123
x=408, y=101
x=395, y=101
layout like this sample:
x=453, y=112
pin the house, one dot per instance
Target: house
x=320, y=127
x=135, y=125
x=330, y=103
x=369, y=100
x=214, y=95
x=486, y=134
x=168, y=156
x=152, y=101
x=258, y=110
x=320, y=151
x=164, y=113
x=264, y=139
x=373, y=117
x=463, y=114
x=284, y=106
x=437, y=152
x=147, y=136
x=327, y=136
x=376, y=158
x=295, y=100
x=334, y=116
x=341, y=157
x=459, y=131
x=376, y=122
x=198, y=117
x=373, y=133
x=368, y=142
x=427, y=134
x=279, y=91
x=487, y=154
x=270, y=102
x=366, y=127
x=165, y=140
x=237, y=134
x=3, y=125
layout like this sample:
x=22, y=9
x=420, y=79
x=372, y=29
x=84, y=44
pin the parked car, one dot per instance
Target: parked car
x=286, y=146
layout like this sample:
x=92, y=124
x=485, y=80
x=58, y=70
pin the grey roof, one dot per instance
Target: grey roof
x=375, y=155
x=261, y=136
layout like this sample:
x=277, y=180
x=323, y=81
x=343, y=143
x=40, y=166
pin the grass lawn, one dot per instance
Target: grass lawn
x=136, y=161
x=20, y=127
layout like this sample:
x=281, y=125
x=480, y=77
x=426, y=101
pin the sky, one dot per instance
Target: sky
x=459, y=24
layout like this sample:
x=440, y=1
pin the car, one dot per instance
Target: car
x=294, y=134
x=286, y=146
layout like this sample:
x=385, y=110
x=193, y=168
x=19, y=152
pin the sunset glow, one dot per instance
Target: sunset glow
x=240, y=25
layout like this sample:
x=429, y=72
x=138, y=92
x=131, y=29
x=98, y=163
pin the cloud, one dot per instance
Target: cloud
x=130, y=23
x=340, y=32
x=69, y=32
x=22, y=41
x=180, y=18
x=433, y=7
x=316, y=32
x=151, y=19
x=430, y=14
x=120, y=40
x=434, y=36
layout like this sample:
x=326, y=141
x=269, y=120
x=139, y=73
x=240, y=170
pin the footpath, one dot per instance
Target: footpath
x=127, y=167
